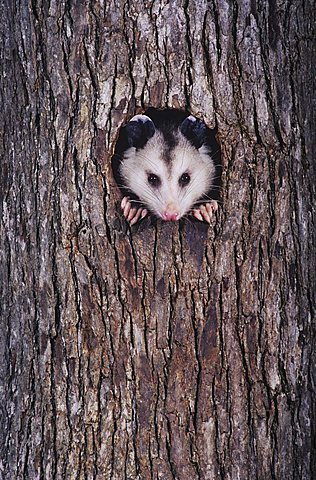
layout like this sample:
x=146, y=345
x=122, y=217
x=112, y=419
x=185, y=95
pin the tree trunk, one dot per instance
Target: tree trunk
x=167, y=351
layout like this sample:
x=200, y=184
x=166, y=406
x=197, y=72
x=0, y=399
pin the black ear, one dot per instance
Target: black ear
x=194, y=130
x=139, y=130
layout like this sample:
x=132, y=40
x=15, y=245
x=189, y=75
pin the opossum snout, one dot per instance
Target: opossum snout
x=171, y=213
x=170, y=216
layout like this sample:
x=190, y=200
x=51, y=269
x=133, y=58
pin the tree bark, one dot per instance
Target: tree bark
x=167, y=351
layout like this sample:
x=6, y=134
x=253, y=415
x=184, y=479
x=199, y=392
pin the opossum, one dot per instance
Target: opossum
x=166, y=167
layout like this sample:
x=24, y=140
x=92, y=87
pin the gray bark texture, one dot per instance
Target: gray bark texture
x=169, y=350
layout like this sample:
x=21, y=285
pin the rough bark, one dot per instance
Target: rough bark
x=169, y=351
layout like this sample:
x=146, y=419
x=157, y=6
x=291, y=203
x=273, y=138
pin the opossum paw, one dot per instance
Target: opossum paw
x=132, y=214
x=205, y=211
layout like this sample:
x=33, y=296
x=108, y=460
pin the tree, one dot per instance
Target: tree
x=170, y=351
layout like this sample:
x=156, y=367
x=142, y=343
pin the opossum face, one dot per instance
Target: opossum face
x=168, y=170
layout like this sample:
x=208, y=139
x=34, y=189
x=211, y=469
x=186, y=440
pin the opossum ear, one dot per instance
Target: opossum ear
x=139, y=130
x=194, y=130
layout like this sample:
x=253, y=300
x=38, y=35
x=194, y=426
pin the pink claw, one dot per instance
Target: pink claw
x=205, y=212
x=124, y=202
x=132, y=214
x=197, y=215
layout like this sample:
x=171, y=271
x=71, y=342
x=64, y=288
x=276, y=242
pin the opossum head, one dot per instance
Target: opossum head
x=169, y=168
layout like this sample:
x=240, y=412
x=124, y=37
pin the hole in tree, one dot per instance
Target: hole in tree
x=164, y=156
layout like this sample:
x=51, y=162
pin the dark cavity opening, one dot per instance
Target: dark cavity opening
x=165, y=121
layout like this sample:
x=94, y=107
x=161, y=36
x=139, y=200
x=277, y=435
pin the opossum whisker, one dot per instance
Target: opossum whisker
x=189, y=190
x=149, y=194
x=133, y=200
x=193, y=184
x=205, y=200
x=186, y=219
x=121, y=186
x=214, y=153
x=213, y=188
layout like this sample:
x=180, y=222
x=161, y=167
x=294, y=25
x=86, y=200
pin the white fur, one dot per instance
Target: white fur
x=142, y=118
x=136, y=166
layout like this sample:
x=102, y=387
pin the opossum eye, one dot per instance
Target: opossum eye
x=184, y=179
x=153, y=179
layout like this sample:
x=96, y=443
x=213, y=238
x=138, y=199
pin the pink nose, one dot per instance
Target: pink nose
x=170, y=216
